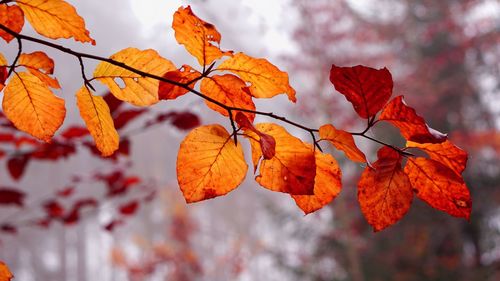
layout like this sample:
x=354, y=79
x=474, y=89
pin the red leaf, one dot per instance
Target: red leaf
x=75, y=132
x=446, y=153
x=53, y=151
x=8, y=228
x=17, y=165
x=124, y=117
x=412, y=126
x=129, y=208
x=66, y=192
x=112, y=101
x=53, y=209
x=366, y=88
x=112, y=224
x=267, y=142
x=168, y=91
x=10, y=196
x=74, y=215
x=185, y=120
x=6, y=137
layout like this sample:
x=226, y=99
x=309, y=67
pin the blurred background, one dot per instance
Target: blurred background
x=78, y=217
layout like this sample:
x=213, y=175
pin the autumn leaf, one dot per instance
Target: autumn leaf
x=368, y=89
x=411, y=126
x=13, y=18
x=327, y=184
x=201, y=39
x=446, y=153
x=209, y=164
x=342, y=140
x=138, y=90
x=10, y=196
x=55, y=19
x=266, y=80
x=266, y=142
x=95, y=113
x=168, y=91
x=292, y=169
x=3, y=71
x=40, y=65
x=229, y=90
x=126, y=116
x=32, y=107
x=439, y=186
x=384, y=190
x=5, y=274
x=17, y=165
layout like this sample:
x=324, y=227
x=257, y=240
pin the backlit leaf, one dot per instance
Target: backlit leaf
x=138, y=90
x=168, y=91
x=55, y=19
x=40, y=65
x=342, y=140
x=292, y=169
x=384, y=190
x=201, y=39
x=209, y=164
x=439, y=186
x=5, y=274
x=95, y=113
x=368, y=89
x=327, y=184
x=32, y=107
x=266, y=142
x=265, y=79
x=229, y=90
x=446, y=153
x=13, y=18
x=411, y=126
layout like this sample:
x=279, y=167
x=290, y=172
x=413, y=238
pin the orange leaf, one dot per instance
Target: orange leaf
x=439, y=186
x=32, y=107
x=3, y=71
x=5, y=274
x=209, y=164
x=342, y=140
x=384, y=191
x=40, y=65
x=169, y=91
x=55, y=19
x=411, y=126
x=201, y=39
x=327, y=184
x=292, y=169
x=266, y=79
x=366, y=88
x=229, y=90
x=95, y=112
x=13, y=18
x=138, y=90
x=446, y=153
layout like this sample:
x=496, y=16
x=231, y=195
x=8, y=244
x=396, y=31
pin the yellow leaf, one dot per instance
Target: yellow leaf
x=229, y=90
x=5, y=274
x=55, y=19
x=292, y=169
x=138, y=90
x=11, y=17
x=95, y=112
x=327, y=184
x=342, y=140
x=40, y=65
x=32, y=107
x=197, y=36
x=266, y=79
x=209, y=164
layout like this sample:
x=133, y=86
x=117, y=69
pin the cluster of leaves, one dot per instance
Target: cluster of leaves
x=210, y=161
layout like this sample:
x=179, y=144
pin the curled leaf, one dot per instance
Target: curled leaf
x=384, y=190
x=55, y=19
x=342, y=140
x=168, y=91
x=368, y=89
x=446, y=153
x=266, y=142
x=40, y=65
x=411, y=126
x=209, y=164
x=439, y=186
x=200, y=38
x=266, y=80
